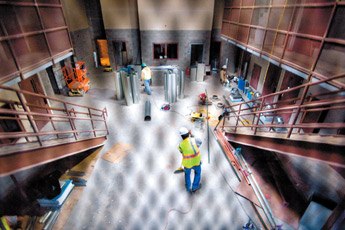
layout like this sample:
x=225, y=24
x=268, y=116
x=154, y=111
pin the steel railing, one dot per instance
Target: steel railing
x=61, y=119
x=293, y=115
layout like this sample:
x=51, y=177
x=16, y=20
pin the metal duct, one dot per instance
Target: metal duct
x=173, y=87
x=147, y=111
x=127, y=91
x=200, y=72
x=166, y=97
x=193, y=73
x=134, y=87
x=181, y=85
x=118, y=85
x=169, y=88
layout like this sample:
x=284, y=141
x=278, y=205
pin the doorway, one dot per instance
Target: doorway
x=120, y=54
x=271, y=82
x=215, y=55
x=35, y=103
x=7, y=125
x=197, y=54
x=254, y=80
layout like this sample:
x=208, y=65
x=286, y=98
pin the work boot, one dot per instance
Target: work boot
x=194, y=190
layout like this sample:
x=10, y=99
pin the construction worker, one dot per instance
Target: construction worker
x=146, y=75
x=223, y=77
x=4, y=224
x=191, y=159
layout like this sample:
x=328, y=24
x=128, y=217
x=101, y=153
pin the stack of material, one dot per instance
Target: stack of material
x=130, y=87
x=170, y=87
x=200, y=74
x=193, y=73
x=118, y=85
x=66, y=188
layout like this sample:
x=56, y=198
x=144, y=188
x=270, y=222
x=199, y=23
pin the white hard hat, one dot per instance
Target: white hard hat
x=224, y=67
x=183, y=131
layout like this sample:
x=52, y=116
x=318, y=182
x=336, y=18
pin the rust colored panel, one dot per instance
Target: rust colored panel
x=19, y=19
x=337, y=29
x=256, y=37
x=248, y=2
x=275, y=17
x=262, y=2
x=58, y=41
x=243, y=33
x=311, y=20
x=226, y=14
x=233, y=31
x=302, y=51
x=49, y=1
x=260, y=17
x=331, y=60
x=30, y=50
x=7, y=62
x=226, y=29
x=236, y=3
x=52, y=17
x=235, y=15
x=29, y=1
x=255, y=76
x=314, y=1
x=31, y=158
x=245, y=16
x=330, y=154
x=278, y=44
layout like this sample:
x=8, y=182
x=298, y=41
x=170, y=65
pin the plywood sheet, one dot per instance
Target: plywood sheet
x=116, y=153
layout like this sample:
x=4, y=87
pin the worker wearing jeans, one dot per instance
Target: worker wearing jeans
x=146, y=75
x=191, y=159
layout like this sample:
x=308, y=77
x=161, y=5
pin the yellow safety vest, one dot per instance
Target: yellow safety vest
x=3, y=224
x=146, y=73
x=190, y=153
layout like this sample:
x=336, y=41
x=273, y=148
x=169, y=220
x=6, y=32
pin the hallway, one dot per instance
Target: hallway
x=138, y=192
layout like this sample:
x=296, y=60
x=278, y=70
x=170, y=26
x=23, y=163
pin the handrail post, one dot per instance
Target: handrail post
x=32, y=123
x=238, y=117
x=260, y=109
x=304, y=114
x=298, y=110
x=105, y=121
x=92, y=123
x=71, y=122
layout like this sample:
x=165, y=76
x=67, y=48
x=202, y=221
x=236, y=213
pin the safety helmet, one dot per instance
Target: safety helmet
x=183, y=131
x=224, y=67
x=143, y=65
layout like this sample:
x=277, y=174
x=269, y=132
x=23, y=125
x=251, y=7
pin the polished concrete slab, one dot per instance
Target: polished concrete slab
x=142, y=192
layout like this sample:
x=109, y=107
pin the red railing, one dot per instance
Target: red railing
x=23, y=123
x=319, y=109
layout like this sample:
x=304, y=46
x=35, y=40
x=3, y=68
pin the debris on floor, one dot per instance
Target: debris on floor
x=165, y=107
x=116, y=153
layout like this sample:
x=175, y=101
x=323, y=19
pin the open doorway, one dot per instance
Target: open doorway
x=10, y=125
x=197, y=53
x=271, y=81
x=120, y=53
x=215, y=55
x=35, y=103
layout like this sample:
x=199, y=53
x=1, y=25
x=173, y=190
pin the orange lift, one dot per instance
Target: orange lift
x=76, y=79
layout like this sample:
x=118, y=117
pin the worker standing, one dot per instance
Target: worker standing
x=191, y=159
x=146, y=75
x=223, y=77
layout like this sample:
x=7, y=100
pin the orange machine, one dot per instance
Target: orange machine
x=76, y=79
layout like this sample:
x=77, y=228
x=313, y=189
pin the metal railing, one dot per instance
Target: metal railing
x=319, y=109
x=46, y=119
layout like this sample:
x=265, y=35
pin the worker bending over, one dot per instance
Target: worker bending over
x=223, y=77
x=191, y=159
x=146, y=75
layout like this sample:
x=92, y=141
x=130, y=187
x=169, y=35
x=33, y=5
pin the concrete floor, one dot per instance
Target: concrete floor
x=141, y=192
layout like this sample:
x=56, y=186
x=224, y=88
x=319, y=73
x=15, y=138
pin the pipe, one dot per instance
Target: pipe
x=166, y=97
x=147, y=111
x=134, y=87
x=174, y=87
x=181, y=85
x=118, y=85
x=127, y=88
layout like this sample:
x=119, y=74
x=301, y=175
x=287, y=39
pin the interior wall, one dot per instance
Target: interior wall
x=175, y=15
x=261, y=62
x=218, y=14
x=75, y=14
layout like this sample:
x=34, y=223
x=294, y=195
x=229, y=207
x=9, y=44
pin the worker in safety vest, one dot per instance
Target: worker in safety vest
x=223, y=77
x=4, y=224
x=146, y=75
x=191, y=159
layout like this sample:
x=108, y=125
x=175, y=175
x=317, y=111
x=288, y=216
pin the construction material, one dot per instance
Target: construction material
x=135, y=85
x=116, y=153
x=52, y=220
x=181, y=85
x=66, y=188
x=45, y=217
x=103, y=52
x=165, y=107
x=118, y=85
x=200, y=74
x=75, y=78
x=193, y=73
x=170, y=86
x=127, y=90
x=147, y=111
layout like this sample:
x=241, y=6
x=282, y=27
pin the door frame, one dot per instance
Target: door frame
x=203, y=51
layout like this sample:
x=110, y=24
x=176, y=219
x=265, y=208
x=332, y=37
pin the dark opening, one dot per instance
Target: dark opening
x=120, y=53
x=53, y=80
x=9, y=125
x=197, y=54
x=215, y=55
x=172, y=51
x=158, y=51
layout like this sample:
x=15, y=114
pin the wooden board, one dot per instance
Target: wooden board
x=116, y=153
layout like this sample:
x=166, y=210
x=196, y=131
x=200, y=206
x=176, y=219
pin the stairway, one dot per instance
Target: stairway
x=33, y=133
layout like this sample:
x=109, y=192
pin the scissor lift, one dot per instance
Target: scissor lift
x=75, y=78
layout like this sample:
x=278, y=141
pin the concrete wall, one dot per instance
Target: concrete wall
x=184, y=38
x=176, y=14
x=218, y=14
x=261, y=62
x=75, y=14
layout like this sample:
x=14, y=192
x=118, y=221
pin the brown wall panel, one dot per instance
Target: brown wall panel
x=260, y=17
x=58, y=41
x=275, y=17
x=245, y=16
x=243, y=34
x=337, y=29
x=256, y=37
x=52, y=17
x=235, y=15
x=7, y=63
